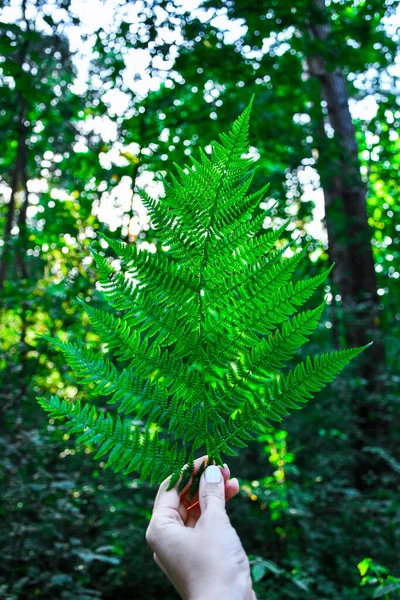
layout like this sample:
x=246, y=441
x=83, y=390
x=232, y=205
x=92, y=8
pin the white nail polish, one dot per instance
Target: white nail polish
x=212, y=474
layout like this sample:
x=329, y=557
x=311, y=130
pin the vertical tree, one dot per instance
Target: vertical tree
x=311, y=55
x=349, y=235
x=345, y=193
x=36, y=105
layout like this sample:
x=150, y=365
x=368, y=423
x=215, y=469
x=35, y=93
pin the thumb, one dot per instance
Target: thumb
x=212, y=489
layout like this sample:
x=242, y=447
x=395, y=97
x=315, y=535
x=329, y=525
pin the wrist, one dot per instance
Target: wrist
x=225, y=593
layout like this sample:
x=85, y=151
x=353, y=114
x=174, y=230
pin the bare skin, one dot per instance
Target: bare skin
x=194, y=542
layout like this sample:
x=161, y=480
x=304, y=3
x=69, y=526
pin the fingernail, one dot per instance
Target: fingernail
x=212, y=474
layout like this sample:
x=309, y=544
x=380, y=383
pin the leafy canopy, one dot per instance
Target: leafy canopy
x=202, y=328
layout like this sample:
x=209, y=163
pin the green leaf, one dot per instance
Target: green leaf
x=388, y=588
x=205, y=327
x=364, y=565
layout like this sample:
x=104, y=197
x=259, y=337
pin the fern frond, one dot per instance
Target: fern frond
x=201, y=331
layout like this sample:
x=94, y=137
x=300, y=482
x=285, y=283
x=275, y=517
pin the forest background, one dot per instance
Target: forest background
x=96, y=98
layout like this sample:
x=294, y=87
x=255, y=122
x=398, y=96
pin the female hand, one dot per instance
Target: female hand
x=194, y=542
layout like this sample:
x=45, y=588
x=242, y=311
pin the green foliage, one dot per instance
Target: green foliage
x=64, y=519
x=378, y=577
x=196, y=327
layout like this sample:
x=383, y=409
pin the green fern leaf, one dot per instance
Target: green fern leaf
x=201, y=332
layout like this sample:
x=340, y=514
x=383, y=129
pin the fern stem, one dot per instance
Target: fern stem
x=201, y=292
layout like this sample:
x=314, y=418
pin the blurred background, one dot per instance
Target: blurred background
x=96, y=99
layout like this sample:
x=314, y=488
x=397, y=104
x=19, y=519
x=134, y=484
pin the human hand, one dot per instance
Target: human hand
x=194, y=542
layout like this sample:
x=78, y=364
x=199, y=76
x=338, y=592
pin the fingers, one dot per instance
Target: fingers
x=231, y=488
x=197, y=464
x=193, y=513
x=170, y=499
x=169, y=502
x=212, y=490
x=166, y=500
x=174, y=505
x=186, y=500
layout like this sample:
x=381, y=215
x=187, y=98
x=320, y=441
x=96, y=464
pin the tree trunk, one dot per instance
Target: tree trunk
x=18, y=176
x=18, y=181
x=22, y=222
x=349, y=236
